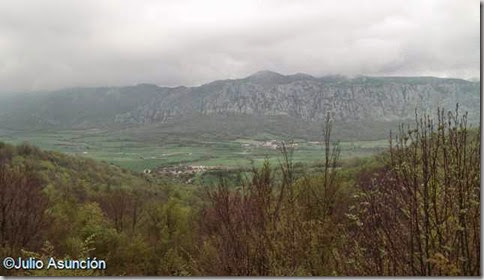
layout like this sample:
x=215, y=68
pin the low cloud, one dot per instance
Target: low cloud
x=54, y=44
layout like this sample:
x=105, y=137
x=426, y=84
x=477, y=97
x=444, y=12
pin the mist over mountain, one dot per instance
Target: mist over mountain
x=288, y=105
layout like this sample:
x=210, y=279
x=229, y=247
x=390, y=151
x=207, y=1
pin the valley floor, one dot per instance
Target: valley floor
x=138, y=154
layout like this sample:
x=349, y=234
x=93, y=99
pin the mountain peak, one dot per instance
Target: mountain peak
x=266, y=76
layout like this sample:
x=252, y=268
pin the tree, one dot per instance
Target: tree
x=420, y=215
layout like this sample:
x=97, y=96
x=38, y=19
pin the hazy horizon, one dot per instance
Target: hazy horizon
x=472, y=79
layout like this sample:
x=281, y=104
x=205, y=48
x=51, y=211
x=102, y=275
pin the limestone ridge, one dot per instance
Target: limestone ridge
x=308, y=98
x=263, y=95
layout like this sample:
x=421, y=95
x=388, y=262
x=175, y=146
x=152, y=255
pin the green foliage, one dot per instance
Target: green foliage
x=420, y=213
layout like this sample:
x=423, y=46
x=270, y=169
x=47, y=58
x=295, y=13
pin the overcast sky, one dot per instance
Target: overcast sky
x=55, y=44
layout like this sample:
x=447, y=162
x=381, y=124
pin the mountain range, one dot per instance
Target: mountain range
x=266, y=102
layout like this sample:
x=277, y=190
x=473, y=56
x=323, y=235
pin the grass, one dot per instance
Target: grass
x=138, y=154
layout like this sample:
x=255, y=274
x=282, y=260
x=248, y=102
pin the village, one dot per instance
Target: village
x=271, y=144
x=178, y=170
x=184, y=170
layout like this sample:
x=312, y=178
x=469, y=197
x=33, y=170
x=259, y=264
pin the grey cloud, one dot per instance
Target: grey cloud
x=53, y=44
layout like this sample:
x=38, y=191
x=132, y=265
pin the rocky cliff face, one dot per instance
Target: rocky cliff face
x=265, y=102
x=308, y=98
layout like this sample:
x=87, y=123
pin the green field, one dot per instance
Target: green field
x=138, y=154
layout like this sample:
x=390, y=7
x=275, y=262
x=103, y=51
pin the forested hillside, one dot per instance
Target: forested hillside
x=57, y=205
x=412, y=210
